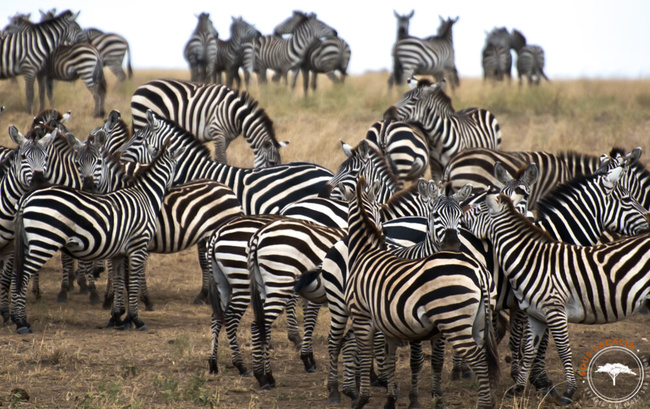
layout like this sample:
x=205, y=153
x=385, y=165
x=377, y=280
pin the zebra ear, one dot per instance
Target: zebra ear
x=364, y=149
x=16, y=136
x=347, y=149
x=373, y=191
x=432, y=190
x=346, y=192
x=422, y=189
x=464, y=193
x=75, y=143
x=633, y=157
x=493, y=204
x=100, y=137
x=501, y=173
x=531, y=174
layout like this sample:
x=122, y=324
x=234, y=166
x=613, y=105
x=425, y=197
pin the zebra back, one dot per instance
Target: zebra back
x=211, y=112
x=201, y=49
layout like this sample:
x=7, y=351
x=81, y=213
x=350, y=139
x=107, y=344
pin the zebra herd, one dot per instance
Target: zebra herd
x=57, y=49
x=395, y=258
x=301, y=43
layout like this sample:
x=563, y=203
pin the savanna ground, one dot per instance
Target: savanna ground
x=71, y=361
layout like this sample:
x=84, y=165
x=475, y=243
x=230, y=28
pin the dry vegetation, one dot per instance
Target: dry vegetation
x=70, y=361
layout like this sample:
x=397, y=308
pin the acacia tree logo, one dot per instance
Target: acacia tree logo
x=615, y=370
x=616, y=376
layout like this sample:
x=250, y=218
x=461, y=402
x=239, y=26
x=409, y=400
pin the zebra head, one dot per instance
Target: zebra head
x=116, y=130
x=478, y=218
x=137, y=149
x=318, y=28
x=89, y=159
x=289, y=25
x=445, y=213
x=205, y=25
x=242, y=31
x=517, y=187
x=403, y=22
x=30, y=164
x=622, y=212
x=364, y=208
x=424, y=97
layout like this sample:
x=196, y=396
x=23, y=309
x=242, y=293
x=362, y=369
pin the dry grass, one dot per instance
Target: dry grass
x=70, y=361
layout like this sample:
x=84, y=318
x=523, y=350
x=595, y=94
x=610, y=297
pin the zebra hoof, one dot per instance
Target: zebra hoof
x=565, y=400
x=94, y=299
x=351, y=393
x=334, y=397
x=108, y=304
x=213, y=367
x=515, y=391
x=62, y=296
x=143, y=328
x=468, y=375
x=243, y=371
x=24, y=330
x=360, y=402
x=201, y=299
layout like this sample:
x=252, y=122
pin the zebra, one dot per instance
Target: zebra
x=284, y=55
x=118, y=225
x=377, y=276
x=325, y=57
x=430, y=56
x=530, y=59
x=448, y=132
x=22, y=168
x=264, y=190
x=211, y=113
x=496, y=62
x=71, y=62
x=25, y=52
x=113, y=48
x=279, y=253
x=230, y=53
x=403, y=23
x=201, y=49
x=551, y=288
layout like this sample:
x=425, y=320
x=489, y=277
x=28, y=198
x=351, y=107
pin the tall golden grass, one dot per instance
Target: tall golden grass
x=71, y=362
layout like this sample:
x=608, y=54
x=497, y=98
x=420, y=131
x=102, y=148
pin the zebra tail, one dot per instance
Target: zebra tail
x=100, y=79
x=215, y=298
x=307, y=278
x=256, y=287
x=490, y=340
x=398, y=72
x=19, y=252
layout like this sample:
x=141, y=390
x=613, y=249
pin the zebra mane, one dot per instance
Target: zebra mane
x=177, y=132
x=368, y=224
x=61, y=16
x=410, y=191
x=534, y=231
x=253, y=105
x=6, y=162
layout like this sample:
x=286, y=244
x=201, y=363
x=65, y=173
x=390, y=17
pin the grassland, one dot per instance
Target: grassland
x=70, y=361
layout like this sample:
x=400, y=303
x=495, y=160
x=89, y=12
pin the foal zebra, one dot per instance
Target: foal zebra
x=557, y=283
x=400, y=298
x=25, y=52
x=448, y=132
x=118, y=225
x=210, y=113
x=201, y=49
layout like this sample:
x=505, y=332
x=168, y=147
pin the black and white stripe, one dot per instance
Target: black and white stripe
x=25, y=51
x=530, y=59
x=496, y=62
x=325, y=57
x=113, y=48
x=200, y=51
x=448, y=131
x=210, y=113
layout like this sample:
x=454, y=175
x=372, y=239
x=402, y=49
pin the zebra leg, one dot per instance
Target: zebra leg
x=86, y=270
x=67, y=284
x=335, y=341
x=517, y=325
x=234, y=312
x=5, y=286
x=416, y=362
x=36, y=286
x=364, y=334
x=538, y=375
x=558, y=324
x=137, y=262
x=117, y=70
x=29, y=91
x=379, y=348
x=437, y=361
x=350, y=365
x=533, y=337
x=460, y=369
x=305, y=81
x=476, y=357
x=215, y=328
x=260, y=353
x=306, y=351
x=391, y=393
x=293, y=332
x=144, y=293
x=118, y=308
x=206, y=271
x=109, y=293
